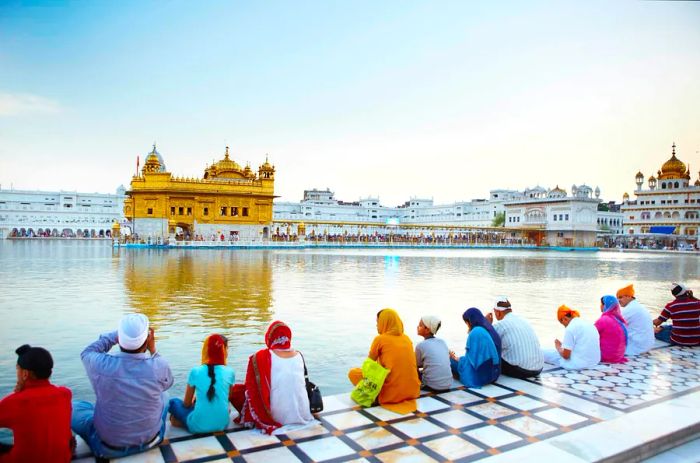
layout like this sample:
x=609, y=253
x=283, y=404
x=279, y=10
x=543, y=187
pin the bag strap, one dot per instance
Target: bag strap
x=306, y=373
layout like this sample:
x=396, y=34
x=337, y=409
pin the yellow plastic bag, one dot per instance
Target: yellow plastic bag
x=367, y=390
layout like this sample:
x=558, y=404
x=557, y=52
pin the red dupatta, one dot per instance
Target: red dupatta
x=252, y=399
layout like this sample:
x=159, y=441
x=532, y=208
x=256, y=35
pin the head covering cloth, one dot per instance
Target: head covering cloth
x=626, y=291
x=133, y=331
x=501, y=304
x=35, y=359
x=611, y=308
x=678, y=289
x=214, y=350
x=252, y=399
x=476, y=318
x=431, y=322
x=565, y=310
x=389, y=322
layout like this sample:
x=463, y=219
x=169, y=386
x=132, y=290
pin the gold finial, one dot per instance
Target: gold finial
x=673, y=151
x=226, y=155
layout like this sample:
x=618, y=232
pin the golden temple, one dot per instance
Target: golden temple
x=230, y=202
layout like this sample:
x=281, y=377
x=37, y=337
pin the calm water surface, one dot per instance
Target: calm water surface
x=62, y=295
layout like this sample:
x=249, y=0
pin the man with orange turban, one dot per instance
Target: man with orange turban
x=581, y=345
x=640, y=330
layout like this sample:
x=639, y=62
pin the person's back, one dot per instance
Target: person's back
x=684, y=313
x=612, y=340
x=212, y=414
x=639, y=328
x=582, y=339
x=289, y=402
x=38, y=415
x=396, y=354
x=129, y=394
x=433, y=355
x=520, y=345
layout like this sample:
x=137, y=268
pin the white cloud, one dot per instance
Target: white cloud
x=14, y=104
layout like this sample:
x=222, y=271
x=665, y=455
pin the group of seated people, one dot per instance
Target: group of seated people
x=132, y=405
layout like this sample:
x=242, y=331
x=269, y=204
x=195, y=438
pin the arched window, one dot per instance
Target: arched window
x=663, y=185
x=675, y=185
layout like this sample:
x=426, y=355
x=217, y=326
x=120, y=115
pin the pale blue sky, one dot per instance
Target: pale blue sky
x=391, y=99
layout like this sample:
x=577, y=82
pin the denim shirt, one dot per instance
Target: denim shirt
x=130, y=392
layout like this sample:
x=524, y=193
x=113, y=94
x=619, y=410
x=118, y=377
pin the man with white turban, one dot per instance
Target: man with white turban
x=432, y=356
x=129, y=414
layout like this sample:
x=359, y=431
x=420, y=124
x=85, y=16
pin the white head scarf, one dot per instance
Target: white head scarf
x=431, y=322
x=133, y=331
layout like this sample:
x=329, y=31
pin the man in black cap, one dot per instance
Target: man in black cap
x=37, y=412
x=684, y=312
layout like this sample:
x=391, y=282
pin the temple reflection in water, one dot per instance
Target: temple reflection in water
x=207, y=290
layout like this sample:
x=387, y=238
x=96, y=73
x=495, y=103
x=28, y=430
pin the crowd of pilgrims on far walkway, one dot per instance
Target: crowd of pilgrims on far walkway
x=130, y=385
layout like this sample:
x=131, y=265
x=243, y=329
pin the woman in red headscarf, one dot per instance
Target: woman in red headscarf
x=274, y=392
x=210, y=383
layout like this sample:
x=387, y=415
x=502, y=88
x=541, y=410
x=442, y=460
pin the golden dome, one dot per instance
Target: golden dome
x=226, y=168
x=154, y=162
x=673, y=168
x=626, y=196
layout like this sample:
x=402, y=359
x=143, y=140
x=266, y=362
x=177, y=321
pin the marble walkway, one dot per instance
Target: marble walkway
x=608, y=413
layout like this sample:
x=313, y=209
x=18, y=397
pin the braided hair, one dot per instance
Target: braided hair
x=211, y=392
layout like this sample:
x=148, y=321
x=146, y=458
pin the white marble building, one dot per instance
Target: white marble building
x=670, y=205
x=59, y=213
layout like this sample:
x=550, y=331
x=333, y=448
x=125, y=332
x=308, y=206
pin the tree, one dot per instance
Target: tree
x=499, y=220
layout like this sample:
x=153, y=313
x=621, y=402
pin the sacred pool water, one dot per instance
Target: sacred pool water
x=62, y=295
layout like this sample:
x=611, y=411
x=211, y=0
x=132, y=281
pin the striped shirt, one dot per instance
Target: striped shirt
x=685, y=315
x=520, y=346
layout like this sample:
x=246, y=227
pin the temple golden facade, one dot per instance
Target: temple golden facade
x=230, y=202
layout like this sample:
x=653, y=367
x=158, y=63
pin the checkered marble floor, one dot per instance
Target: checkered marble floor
x=645, y=379
x=460, y=425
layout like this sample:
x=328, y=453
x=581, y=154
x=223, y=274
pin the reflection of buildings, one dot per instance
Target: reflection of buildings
x=58, y=213
x=205, y=288
x=670, y=206
x=230, y=200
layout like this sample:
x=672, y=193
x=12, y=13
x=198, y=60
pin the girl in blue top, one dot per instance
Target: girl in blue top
x=206, y=404
x=481, y=362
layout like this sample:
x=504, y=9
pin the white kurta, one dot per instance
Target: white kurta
x=640, y=330
x=289, y=402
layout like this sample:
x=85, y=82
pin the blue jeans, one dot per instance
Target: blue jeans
x=179, y=411
x=665, y=334
x=82, y=423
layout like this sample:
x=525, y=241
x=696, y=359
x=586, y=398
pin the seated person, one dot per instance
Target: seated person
x=274, y=393
x=392, y=349
x=481, y=362
x=640, y=330
x=37, y=412
x=432, y=356
x=206, y=404
x=581, y=346
x=612, y=330
x=684, y=312
x=131, y=402
x=521, y=354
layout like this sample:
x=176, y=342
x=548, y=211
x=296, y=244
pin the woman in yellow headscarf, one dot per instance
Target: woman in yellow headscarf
x=394, y=351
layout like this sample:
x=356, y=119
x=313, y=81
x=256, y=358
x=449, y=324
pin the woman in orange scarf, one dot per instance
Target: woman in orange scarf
x=394, y=351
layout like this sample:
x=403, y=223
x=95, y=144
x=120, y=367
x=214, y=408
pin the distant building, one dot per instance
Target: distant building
x=670, y=206
x=565, y=220
x=557, y=219
x=37, y=213
x=229, y=200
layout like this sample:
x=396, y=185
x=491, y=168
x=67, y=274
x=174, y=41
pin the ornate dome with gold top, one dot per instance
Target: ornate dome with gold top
x=226, y=168
x=154, y=162
x=673, y=168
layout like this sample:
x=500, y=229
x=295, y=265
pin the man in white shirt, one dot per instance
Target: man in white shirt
x=521, y=354
x=581, y=345
x=640, y=329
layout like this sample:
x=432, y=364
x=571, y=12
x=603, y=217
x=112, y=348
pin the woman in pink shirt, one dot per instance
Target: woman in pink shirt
x=612, y=328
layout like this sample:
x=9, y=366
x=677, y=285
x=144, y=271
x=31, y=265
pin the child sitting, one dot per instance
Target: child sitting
x=432, y=356
x=211, y=383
